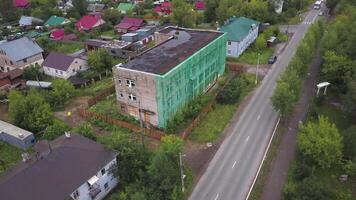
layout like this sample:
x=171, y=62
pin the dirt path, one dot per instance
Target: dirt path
x=286, y=153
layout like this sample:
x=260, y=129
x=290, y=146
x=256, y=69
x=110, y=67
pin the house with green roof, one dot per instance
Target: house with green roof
x=56, y=21
x=241, y=33
x=125, y=7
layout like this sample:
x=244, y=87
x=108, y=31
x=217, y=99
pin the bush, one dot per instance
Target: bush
x=86, y=130
x=55, y=130
x=231, y=92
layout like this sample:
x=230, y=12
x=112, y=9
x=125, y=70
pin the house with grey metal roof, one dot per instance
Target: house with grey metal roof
x=67, y=168
x=16, y=136
x=241, y=33
x=19, y=53
x=26, y=21
x=63, y=66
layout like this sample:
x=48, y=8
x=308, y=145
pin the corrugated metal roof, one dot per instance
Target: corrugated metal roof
x=14, y=130
x=239, y=28
x=21, y=48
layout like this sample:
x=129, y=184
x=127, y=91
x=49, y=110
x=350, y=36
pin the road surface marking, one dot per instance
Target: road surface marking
x=247, y=138
x=233, y=165
x=217, y=196
x=263, y=159
x=259, y=116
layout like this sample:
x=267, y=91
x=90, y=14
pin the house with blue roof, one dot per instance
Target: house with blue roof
x=241, y=33
x=19, y=53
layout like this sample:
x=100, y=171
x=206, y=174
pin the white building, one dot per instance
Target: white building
x=63, y=66
x=19, y=54
x=241, y=33
x=70, y=168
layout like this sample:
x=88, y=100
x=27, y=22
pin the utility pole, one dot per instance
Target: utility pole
x=141, y=124
x=258, y=63
x=182, y=176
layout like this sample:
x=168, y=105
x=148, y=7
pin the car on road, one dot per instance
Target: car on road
x=272, y=59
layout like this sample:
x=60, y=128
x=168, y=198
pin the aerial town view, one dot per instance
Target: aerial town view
x=177, y=100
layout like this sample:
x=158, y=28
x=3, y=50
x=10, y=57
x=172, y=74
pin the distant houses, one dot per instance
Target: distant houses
x=27, y=21
x=55, y=21
x=165, y=8
x=63, y=66
x=10, y=80
x=125, y=8
x=21, y=3
x=89, y=22
x=70, y=167
x=241, y=33
x=19, y=53
x=129, y=24
x=16, y=136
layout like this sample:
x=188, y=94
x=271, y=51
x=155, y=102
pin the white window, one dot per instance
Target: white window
x=132, y=97
x=130, y=83
x=76, y=194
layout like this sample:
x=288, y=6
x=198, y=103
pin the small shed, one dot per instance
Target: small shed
x=146, y=31
x=130, y=37
x=16, y=136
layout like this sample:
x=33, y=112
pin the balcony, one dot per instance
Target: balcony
x=94, y=190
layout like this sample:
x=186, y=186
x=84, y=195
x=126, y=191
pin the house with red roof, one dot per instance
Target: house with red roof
x=89, y=22
x=165, y=8
x=129, y=24
x=57, y=34
x=21, y=3
x=199, y=5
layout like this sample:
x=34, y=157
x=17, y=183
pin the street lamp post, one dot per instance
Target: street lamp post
x=182, y=176
x=258, y=63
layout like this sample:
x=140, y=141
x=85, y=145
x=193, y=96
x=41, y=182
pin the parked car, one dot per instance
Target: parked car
x=272, y=59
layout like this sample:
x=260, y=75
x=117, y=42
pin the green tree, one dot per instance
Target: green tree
x=164, y=174
x=62, y=92
x=86, y=130
x=335, y=68
x=284, y=98
x=100, y=60
x=260, y=44
x=80, y=6
x=112, y=15
x=183, y=14
x=350, y=143
x=8, y=11
x=55, y=130
x=210, y=10
x=320, y=143
x=32, y=73
x=30, y=112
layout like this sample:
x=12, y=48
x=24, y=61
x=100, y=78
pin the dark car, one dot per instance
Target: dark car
x=272, y=59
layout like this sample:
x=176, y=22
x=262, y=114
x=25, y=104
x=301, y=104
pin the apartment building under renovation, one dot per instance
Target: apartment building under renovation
x=160, y=81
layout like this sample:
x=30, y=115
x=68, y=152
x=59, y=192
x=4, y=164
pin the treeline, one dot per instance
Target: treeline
x=288, y=87
x=220, y=10
x=339, y=55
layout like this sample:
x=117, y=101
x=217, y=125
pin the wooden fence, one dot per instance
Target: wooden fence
x=106, y=92
x=185, y=133
x=153, y=133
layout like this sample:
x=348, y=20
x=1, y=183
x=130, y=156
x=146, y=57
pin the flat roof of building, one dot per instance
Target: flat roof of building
x=165, y=56
x=14, y=130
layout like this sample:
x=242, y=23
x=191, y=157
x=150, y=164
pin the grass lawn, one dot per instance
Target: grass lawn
x=66, y=48
x=250, y=56
x=10, y=155
x=335, y=115
x=96, y=87
x=210, y=128
x=110, y=33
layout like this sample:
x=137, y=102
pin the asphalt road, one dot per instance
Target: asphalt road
x=231, y=172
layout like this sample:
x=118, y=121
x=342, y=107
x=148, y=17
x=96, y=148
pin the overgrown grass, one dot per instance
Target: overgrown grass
x=96, y=87
x=10, y=155
x=250, y=56
x=108, y=107
x=210, y=128
x=66, y=48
